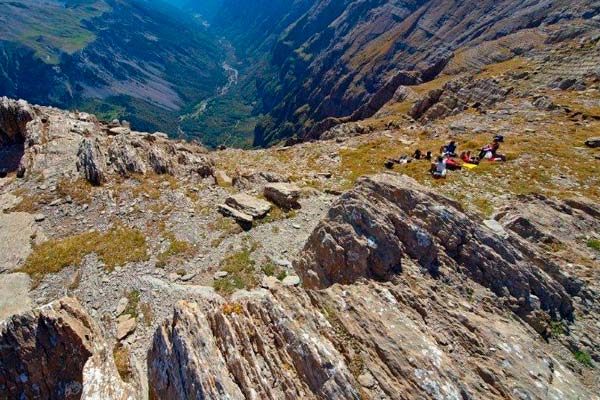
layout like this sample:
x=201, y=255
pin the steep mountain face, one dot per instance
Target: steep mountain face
x=129, y=59
x=341, y=55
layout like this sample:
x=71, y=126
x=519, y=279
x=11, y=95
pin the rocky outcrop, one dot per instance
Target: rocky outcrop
x=124, y=158
x=57, y=352
x=371, y=230
x=417, y=338
x=159, y=162
x=91, y=162
x=14, y=116
x=347, y=130
x=457, y=96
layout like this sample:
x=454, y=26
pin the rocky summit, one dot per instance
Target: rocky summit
x=345, y=260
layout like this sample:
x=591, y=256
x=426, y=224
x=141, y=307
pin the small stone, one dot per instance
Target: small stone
x=121, y=306
x=296, y=226
x=119, y=131
x=220, y=275
x=291, y=280
x=366, y=380
x=55, y=203
x=255, y=207
x=269, y=282
x=39, y=217
x=126, y=325
x=285, y=195
x=223, y=179
x=593, y=142
x=235, y=214
x=282, y=262
x=187, y=277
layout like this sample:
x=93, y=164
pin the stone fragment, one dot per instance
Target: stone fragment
x=269, y=282
x=126, y=325
x=284, y=195
x=249, y=205
x=121, y=306
x=223, y=179
x=235, y=214
x=593, y=142
x=291, y=280
x=120, y=130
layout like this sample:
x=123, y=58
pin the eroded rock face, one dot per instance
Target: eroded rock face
x=124, y=158
x=418, y=338
x=91, y=162
x=387, y=218
x=458, y=95
x=14, y=116
x=57, y=352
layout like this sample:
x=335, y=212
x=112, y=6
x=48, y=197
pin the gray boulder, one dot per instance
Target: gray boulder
x=91, y=162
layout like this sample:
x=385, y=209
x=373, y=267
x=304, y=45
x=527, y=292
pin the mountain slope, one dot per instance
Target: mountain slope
x=129, y=59
x=339, y=55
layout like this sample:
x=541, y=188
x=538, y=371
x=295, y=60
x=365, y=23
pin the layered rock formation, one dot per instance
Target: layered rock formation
x=57, y=352
x=371, y=229
x=457, y=96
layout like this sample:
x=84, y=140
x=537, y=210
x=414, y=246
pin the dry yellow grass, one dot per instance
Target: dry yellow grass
x=117, y=247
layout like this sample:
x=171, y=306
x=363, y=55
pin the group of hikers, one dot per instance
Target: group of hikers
x=447, y=160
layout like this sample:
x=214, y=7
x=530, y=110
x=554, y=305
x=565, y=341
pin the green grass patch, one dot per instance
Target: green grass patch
x=556, y=328
x=176, y=249
x=583, y=357
x=271, y=269
x=242, y=275
x=133, y=300
x=594, y=244
x=114, y=248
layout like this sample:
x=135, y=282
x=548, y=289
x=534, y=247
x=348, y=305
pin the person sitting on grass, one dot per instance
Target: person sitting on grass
x=438, y=168
x=490, y=152
x=451, y=164
x=449, y=149
x=466, y=157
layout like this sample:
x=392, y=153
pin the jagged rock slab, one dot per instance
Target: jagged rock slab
x=57, y=352
x=373, y=340
x=255, y=207
x=235, y=214
x=91, y=162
